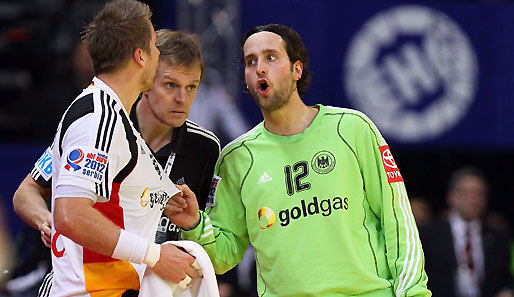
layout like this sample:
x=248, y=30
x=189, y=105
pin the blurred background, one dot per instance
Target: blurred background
x=436, y=77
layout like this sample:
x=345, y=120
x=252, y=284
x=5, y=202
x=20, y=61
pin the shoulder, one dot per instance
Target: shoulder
x=93, y=103
x=203, y=136
x=95, y=119
x=237, y=153
x=348, y=115
x=237, y=143
x=353, y=124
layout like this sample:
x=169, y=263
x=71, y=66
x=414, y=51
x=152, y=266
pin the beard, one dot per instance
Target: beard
x=275, y=101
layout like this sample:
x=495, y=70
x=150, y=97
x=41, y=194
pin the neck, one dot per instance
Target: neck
x=293, y=118
x=125, y=84
x=154, y=132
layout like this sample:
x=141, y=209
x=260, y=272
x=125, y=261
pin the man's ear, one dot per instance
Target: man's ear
x=297, y=70
x=138, y=57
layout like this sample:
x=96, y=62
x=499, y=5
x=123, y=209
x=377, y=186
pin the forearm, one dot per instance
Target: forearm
x=76, y=219
x=411, y=278
x=29, y=203
x=224, y=248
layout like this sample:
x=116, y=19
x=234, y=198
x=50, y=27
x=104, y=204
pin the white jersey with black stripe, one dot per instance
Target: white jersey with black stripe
x=98, y=154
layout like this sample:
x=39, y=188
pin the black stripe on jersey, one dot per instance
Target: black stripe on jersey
x=78, y=109
x=115, y=119
x=132, y=141
x=46, y=285
x=105, y=183
x=260, y=275
x=97, y=187
x=107, y=124
x=196, y=127
x=104, y=136
x=233, y=149
x=101, y=119
x=110, y=117
x=34, y=173
x=397, y=272
x=369, y=234
x=342, y=114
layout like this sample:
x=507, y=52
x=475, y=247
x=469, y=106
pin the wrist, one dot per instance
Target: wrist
x=198, y=219
x=130, y=247
x=153, y=254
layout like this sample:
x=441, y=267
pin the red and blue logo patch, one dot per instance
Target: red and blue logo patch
x=74, y=158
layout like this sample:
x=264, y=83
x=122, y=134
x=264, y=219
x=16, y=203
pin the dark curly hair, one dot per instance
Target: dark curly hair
x=294, y=46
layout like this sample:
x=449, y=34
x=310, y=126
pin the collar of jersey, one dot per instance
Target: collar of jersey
x=98, y=83
x=297, y=137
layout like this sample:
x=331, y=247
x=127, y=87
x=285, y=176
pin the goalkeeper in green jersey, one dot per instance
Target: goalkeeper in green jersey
x=315, y=190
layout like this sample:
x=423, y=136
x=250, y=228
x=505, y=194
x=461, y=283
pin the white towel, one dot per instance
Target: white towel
x=153, y=285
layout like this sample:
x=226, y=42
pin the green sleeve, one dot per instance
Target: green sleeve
x=222, y=231
x=389, y=201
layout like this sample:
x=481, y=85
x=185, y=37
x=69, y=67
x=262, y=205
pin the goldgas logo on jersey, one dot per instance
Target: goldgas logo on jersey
x=306, y=209
x=267, y=217
x=323, y=162
x=154, y=199
x=74, y=158
x=144, y=198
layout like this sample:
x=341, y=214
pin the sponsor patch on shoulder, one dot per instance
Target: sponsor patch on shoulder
x=88, y=162
x=44, y=164
x=212, y=191
x=391, y=169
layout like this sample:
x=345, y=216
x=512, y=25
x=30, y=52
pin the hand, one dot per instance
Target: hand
x=176, y=204
x=189, y=217
x=46, y=230
x=175, y=264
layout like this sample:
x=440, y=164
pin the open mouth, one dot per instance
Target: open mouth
x=262, y=86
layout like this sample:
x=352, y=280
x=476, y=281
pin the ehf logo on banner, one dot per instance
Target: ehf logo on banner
x=74, y=158
x=413, y=71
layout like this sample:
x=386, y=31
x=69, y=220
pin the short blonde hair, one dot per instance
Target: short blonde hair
x=116, y=31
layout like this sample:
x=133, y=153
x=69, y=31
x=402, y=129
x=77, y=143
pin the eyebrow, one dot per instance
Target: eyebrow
x=174, y=80
x=266, y=51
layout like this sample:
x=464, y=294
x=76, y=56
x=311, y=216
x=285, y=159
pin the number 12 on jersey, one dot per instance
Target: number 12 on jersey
x=301, y=170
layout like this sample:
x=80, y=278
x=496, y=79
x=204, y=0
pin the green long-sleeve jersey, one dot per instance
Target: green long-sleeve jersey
x=326, y=211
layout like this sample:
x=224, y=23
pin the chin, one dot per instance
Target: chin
x=176, y=123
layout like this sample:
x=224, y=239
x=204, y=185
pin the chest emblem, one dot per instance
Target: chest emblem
x=323, y=162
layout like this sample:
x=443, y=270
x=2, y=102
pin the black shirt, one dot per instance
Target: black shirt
x=194, y=152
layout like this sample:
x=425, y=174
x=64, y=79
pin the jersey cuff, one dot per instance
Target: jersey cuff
x=196, y=233
x=71, y=191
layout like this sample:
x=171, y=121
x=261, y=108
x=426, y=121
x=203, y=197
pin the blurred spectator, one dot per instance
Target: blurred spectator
x=464, y=255
x=421, y=210
x=52, y=98
x=5, y=250
x=37, y=39
x=31, y=262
